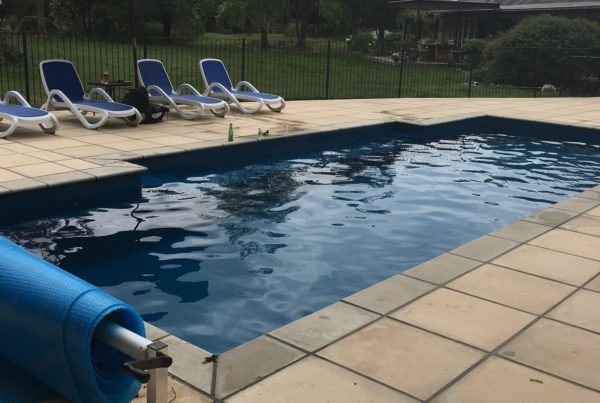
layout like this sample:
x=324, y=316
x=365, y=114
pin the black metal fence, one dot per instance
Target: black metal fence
x=326, y=69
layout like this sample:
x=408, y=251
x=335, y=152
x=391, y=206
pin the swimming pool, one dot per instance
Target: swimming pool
x=219, y=258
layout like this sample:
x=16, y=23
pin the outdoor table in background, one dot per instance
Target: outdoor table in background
x=111, y=85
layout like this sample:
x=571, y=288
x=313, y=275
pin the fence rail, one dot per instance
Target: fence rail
x=326, y=69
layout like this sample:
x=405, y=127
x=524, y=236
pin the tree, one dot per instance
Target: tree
x=261, y=13
x=301, y=11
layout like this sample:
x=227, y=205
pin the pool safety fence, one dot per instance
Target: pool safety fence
x=323, y=70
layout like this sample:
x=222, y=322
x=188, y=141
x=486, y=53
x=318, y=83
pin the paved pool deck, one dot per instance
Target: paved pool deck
x=513, y=316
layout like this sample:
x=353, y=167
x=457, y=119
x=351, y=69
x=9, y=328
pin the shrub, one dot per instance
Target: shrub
x=543, y=50
x=473, y=50
x=363, y=42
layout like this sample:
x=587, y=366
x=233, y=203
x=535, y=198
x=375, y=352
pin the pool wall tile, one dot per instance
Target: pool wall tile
x=260, y=357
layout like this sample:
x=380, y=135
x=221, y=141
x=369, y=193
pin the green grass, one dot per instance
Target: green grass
x=292, y=73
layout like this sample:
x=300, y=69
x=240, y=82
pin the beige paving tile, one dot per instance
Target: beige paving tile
x=46, y=168
x=6, y=175
x=48, y=156
x=55, y=143
x=389, y=294
x=587, y=224
x=130, y=145
x=110, y=171
x=512, y=288
x=551, y=217
x=4, y=191
x=502, y=381
x=153, y=332
x=521, y=231
x=315, y=380
x=409, y=359
x=551, y=264
x=559, y=349
x=576, y=204
x=15, y=160
x=65, y=178
x=18, y=148
x=178, y=393
x=581, y=309
x=443, y=268
x=23, y=184
x=464, y=318
x=173, y=140
x=84, y=151
x=570, y=242
x=590, y=194
x=103, y=138
x=594, y=284
x=322, y=327
x=251, y=362
x=188, y=363
x=485, y=248
x=75, y=163
x=595, y=212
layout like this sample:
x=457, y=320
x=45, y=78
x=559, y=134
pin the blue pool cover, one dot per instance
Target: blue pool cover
x=47, y=322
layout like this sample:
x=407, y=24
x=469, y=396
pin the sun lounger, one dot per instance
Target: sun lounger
x=219, y=85
x=154, y=77
x=24, y=113
x=65, y=91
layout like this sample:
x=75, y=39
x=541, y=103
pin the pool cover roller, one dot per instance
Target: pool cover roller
x=47, y=322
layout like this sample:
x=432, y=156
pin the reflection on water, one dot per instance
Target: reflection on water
x=219, y=259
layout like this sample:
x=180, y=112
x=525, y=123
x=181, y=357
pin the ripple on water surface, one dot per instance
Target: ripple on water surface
x=222, y=258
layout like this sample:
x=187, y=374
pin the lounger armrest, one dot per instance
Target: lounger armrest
x=16, y=96
x=189, y=87
x=219, y=86
x=101, y=92
x=156, y=88
x=246, y=84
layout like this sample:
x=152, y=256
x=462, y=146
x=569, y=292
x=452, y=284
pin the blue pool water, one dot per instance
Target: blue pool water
x=220, y=258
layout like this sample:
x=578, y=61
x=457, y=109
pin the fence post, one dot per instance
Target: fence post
x=402, y=60
x=328, y=71
x=243, y=58
x=470, y=77
x=145, y=41
x=26, y=67
x=135, y=58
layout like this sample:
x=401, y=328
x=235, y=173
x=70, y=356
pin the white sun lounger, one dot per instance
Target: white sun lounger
x=154, y=77
x=24, y=113
x=65, y=91
x=219, y=85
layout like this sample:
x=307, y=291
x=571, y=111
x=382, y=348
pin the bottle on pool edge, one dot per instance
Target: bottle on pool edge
x=230, y=136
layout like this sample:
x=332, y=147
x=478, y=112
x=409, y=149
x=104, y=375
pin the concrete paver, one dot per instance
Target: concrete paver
x=581, y=309
x=512, y=288
x=315, y=380
x=502, y=381
x=547, y=263
x=322, y=327
x=474, y=321
x=389, y=294
x=559, y=349
x=404, y=357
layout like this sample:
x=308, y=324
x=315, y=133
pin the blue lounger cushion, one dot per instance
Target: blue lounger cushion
x=48, y=320
x=22, y=111
x=196, y=98
x=261, y=95
x=109, y=106
x=153, y=72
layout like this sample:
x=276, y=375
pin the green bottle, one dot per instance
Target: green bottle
x=230, y=136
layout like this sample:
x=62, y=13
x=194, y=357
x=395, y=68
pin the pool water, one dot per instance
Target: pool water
x=220, y=258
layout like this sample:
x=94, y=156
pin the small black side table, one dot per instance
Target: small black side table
x=111, y=85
